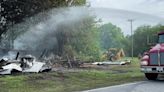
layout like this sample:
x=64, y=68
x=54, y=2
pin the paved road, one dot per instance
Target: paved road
x=143, y=86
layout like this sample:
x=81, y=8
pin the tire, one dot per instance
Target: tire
x=151, y=76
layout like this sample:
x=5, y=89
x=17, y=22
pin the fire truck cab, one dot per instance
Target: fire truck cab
x=152, y=62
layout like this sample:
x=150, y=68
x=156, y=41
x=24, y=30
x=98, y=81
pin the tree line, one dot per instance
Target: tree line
x=16, y=11
x=144, y=37
x=91, y=39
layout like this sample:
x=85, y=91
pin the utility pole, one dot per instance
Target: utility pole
x=132, y=40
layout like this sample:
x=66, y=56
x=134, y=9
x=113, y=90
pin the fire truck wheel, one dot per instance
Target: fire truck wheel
x=151, y=76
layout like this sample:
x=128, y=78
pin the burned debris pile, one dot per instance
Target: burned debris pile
x=24, y=62
x=65, y=62
x=27, y=63
x=32, y=64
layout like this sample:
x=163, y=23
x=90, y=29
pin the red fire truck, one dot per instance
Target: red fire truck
x=152, y=62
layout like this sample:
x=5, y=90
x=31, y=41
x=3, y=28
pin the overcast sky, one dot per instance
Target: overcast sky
x=144, y=12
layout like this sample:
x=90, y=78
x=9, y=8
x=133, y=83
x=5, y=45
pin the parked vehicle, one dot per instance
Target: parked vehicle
x=152, y=62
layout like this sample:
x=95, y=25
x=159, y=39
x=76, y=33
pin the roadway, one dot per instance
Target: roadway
x=143, y=86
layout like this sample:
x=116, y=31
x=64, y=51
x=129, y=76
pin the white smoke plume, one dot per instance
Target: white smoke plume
x=40, y=30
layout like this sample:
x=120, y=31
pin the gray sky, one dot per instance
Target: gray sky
x=144, y=12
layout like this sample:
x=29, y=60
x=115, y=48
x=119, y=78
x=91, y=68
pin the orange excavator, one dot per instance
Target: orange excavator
x=113, y=54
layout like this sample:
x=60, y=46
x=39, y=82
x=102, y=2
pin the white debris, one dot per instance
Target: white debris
x=108, y=63
x=37, y=66
x=112, y=63
x=25, y=64
x=4, y=58
x=13, y=66
x=7, y=69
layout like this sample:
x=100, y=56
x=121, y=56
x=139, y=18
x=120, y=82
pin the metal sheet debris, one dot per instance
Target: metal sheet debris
x=13, y=66
x=112, y=63
x=36, y=67
x=27, y=63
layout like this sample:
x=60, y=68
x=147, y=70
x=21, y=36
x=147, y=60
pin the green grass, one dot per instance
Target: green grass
x=71, y=81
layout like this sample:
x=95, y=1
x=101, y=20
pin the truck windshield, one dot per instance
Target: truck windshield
x=161, y=39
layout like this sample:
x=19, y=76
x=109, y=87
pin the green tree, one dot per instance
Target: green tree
x=141, y=36
x=84, y=39
x=111, y=36
x=15, y=11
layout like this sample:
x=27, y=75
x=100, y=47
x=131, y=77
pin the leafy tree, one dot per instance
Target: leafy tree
x=15, y=11
x=84, y=39
x=141, y=35
x=111, y=36
x=65, y=34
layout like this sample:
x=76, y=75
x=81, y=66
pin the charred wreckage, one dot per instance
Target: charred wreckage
x=27, y=63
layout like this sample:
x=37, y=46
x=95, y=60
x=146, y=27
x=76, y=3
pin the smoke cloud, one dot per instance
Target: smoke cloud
x=39, y=32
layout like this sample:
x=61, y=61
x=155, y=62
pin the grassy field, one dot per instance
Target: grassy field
x=71, y=81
